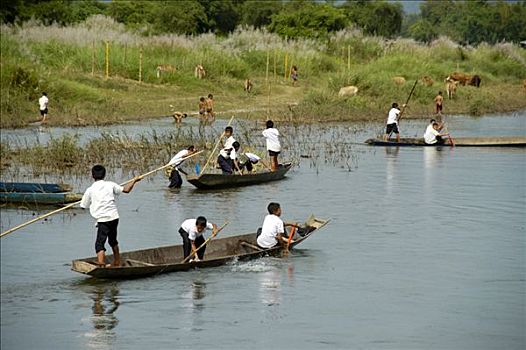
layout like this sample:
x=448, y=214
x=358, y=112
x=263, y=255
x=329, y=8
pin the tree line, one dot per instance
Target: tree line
x=469, y=22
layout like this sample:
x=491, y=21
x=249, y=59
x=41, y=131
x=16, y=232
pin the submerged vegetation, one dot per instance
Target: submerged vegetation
x=69, y=64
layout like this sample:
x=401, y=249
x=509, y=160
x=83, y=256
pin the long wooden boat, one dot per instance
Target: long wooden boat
x=34, y=187
x=209, y=181
x=39, y=198
x=515, y=141
x=219, y=251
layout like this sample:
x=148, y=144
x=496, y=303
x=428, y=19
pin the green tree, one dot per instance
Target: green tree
x=377, y=18
x=259, y=13
x=222, y=15
x=311, y=20
x=182, y=17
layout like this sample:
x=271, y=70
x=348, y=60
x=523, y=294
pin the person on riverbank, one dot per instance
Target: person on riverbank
x=294, y=75
x=210, y=108
x=392, y=122
x=271, y=135
x=43, y=104
x=433, y=136
x=273, y=229
x=191, y=232
x=202, y=108
x=175, y=178
x=439, y=100
x=100, y=198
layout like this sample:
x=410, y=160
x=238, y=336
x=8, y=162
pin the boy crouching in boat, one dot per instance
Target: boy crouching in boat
x=175, y=178
x=192, y=233
x=273, y=229
x=228, y=161
x=100, y=198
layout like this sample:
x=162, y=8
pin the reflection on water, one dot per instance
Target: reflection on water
x=105, y=304
x=270, y=286
x=391, y=155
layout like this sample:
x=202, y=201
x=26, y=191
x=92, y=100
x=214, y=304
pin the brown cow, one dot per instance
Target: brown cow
x=475, y=81
x=451, y=88
x=462, y=78
x=199, y=71
x=164, y=68
x=427, y=81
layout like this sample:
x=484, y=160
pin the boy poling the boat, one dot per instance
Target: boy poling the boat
x=100, y=198
x=175, y=178
x=191, y=231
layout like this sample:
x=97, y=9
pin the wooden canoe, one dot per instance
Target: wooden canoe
x=210, y=181
x=516, y=141
x=39, y=198
x=31, y=187
x=219, y=251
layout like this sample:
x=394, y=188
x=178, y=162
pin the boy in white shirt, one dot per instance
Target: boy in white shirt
x=273, y=229
x=229, y=138
x=228, y=161
x=43, y=102
x=392, y=122
x=432, y=135
x=273, y=145
x=100, y=198
x=191, y=231
x=175, y=178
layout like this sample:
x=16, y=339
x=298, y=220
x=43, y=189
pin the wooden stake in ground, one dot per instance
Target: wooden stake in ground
x=78, y=202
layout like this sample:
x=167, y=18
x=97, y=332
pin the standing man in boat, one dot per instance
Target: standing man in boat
x=271, y=135
x=273, y=229
x=228, y=134
x=100, y=198
x=432, y=136
x=392, y=122
x=228, y=159
x=175, y=178
x=191, y=231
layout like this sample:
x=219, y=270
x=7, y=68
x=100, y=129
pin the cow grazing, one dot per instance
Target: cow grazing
x=399, y=80
x=475, y=81
x=462, y=78
x=451, y=88
x=164, y=68
x=427, y=80
x=348, y=91
x=199, y=71
x=248, y=85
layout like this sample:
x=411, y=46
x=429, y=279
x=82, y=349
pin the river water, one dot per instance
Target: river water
x=426, y=249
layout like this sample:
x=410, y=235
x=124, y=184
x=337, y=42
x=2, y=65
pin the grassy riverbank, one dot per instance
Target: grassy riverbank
x=69, y=64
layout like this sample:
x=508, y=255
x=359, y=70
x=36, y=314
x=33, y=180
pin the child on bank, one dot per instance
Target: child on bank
x=100, y=198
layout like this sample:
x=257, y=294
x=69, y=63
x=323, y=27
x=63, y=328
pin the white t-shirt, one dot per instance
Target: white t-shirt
x=100, y=197
x=228, y=153
x=430, y=136
x=230, y=142
x=43, y=102
x=252, y=157
x=272, y=226
x=189, y=226
x=393, y=116
x=272, y=136
x=177, y=159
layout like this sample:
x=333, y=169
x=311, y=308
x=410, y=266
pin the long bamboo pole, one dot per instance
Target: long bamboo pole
x=107, y=56
x=204, y=243
x=78, y=202
x=215, y=147
x=407, y=101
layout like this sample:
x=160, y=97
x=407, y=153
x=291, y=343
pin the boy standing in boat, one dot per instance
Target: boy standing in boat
x=229, y=138
x=271, y=135
x=191, y=231
x=100, y=198
x=273, y=229
x=175, y=178
x=392, y=122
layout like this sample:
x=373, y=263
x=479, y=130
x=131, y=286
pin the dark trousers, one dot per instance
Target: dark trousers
x=175, y=179
x=440, y=140
x=106, y=231
x=225, y=164
x=187, y=244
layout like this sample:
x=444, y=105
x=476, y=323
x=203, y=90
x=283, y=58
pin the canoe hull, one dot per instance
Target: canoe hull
x=219, y=251
x=458, y=142
x=30, y=187
x=218, y=181
x=39, y=198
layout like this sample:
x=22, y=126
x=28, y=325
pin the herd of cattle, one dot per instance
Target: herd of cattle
x=451, y=81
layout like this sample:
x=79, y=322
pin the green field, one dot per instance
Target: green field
x=69, y=63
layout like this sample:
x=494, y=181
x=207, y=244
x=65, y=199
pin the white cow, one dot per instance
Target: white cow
x=348, y=91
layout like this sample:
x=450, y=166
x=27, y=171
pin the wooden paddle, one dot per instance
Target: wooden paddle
x=214, y=150
x=292, y=230
x=204, y=243
x=78, y=202
x=407, y=101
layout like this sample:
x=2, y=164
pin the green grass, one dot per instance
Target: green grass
x=60, y=62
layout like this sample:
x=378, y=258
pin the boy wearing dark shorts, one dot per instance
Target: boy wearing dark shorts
x=271, y=135
x=100, y=198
